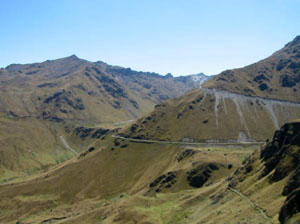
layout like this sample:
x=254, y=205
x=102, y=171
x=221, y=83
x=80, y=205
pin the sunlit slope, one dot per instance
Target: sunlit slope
x=78, y=90
x=116, y=170
x=121, y=181
x=210, y=115
x=28, y=145
x=276, y=77
x=40, y=102
x=243, y=105
x=271, y=176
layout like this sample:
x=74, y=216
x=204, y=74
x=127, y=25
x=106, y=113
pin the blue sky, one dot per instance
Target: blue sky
x=177, y=36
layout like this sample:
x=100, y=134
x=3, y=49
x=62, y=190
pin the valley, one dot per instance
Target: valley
x=115, y=201
x=65, y=96
x=87, y=142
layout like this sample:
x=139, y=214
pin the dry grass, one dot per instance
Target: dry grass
x=113, y=185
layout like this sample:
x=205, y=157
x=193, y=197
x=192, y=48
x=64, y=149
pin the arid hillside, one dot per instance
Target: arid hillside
x=276, y=77
x=81, y=91
x=121, y=181
x=214, y=116
x=117, y=181
x=241, y=105
x=270, y=177
x=48, y=109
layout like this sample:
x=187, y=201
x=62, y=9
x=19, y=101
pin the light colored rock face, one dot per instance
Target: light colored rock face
x=200, y=78
x=252, y=109
x=210, y=115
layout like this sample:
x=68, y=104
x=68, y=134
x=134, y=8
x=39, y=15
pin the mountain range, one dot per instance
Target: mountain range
x=245, y=104
x=53, y=98
x=226, y=151
x=78, y=90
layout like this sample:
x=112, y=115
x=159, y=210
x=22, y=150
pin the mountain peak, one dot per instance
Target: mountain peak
x=169, y=75
x=72, y=59
x=73, y=56
x=66, y=59
x=297, y=39
x=294, y=42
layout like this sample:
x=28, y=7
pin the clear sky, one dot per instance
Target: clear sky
x=177, y=36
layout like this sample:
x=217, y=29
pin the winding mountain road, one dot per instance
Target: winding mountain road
x=187, y=143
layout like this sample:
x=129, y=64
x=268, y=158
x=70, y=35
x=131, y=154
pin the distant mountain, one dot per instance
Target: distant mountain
x=241, y=105
x=199, y=79
x=115, y=179
x=75, y=89
x=41, y=102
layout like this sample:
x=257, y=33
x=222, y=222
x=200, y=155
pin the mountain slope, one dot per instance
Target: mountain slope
x=28, y=146
x=74, y=89
x=271, y=177
x=115, y=182
x=68, y=93
x=122, y=181
x=276, y=77
x=221, y=111
x=210, y=115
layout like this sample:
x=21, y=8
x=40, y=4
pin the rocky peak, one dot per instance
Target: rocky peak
x=288, y=134
x=280, y=159
x=295, y=41
x=293, y=47
x=169, y=75
x=73, y=56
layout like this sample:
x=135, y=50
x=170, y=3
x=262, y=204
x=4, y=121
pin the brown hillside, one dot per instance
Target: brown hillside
x=74, y=89
x=41, y=102
x=121, y=181
x=271, y=177
x=231, y=106
x=210, y=115
x=95, y=185
x=276, y=77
